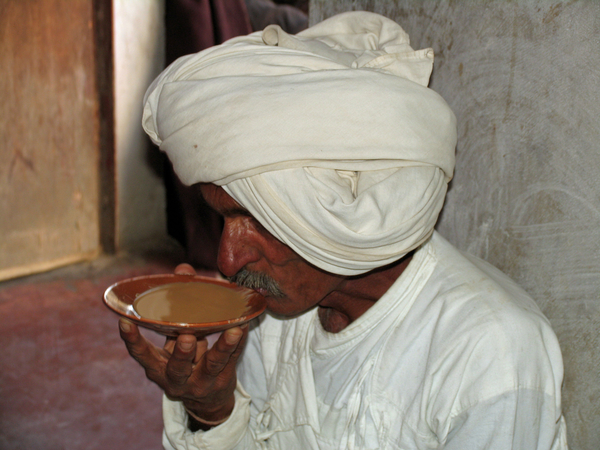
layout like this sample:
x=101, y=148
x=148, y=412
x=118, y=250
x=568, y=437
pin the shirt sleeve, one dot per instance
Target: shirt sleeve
x=518, y=420
x=234, y=433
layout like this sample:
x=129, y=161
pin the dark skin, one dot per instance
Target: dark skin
x=205, y=380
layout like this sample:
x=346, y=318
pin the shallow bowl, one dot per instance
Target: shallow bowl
x=120, y=297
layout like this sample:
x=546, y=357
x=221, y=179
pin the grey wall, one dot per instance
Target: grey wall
x=523, y=78
x=139, y=52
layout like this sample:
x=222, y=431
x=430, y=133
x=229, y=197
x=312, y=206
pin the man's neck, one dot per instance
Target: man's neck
x=355, y=295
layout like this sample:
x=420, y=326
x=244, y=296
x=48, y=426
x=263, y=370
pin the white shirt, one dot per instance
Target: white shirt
x=453, y=356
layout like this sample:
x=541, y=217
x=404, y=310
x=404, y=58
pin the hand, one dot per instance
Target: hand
x=204, y=380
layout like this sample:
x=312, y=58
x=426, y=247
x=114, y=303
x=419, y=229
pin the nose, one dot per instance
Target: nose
x=239, y=245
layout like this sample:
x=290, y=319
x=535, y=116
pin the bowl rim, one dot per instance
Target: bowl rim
x=184, y=278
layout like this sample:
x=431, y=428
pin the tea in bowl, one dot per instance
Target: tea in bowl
x=183, y=304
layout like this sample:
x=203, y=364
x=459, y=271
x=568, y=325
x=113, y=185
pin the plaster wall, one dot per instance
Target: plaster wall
x=523, y=79
x=139, y=58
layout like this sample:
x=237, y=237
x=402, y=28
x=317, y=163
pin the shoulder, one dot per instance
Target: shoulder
x=471, y=334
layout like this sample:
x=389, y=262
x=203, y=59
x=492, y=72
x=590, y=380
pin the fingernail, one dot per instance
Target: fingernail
x=125, y=326
x=186, y=346
x=231, y=336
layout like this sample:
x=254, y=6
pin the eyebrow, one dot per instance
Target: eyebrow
x=227, y=210
x=231, y=210
x=236, y=211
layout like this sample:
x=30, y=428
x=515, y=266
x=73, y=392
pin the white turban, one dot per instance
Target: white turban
x=330, y=138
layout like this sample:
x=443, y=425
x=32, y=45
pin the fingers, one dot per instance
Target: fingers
x=181, y=363
x=186, y=371
x=142, y=351
x=200, y=348
x=136, y=344
x=170, y=345
x=185, y=269
x=220, y=354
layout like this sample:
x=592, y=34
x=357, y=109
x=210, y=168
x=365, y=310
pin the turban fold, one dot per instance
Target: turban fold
x=330, y=138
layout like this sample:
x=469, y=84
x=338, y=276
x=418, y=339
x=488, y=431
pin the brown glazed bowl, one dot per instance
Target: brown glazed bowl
x=120, y=297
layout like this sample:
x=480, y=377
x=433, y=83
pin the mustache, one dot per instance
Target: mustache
x=257, y=280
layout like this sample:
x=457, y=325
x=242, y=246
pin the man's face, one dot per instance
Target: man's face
x=247, y=250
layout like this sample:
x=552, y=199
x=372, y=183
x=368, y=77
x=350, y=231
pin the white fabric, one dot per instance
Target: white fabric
x=454, y=356
x=320, y=136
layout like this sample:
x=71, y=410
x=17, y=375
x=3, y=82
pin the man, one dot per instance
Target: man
x=329, y=158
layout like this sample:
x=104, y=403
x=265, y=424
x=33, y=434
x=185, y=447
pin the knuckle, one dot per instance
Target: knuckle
x=137, y=350
x=172, y=392
x=178, y=371
x=153, y=375
x=136, y=354
x=214, y=366
x=176, y=376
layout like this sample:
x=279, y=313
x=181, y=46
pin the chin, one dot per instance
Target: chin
x=279, y=307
